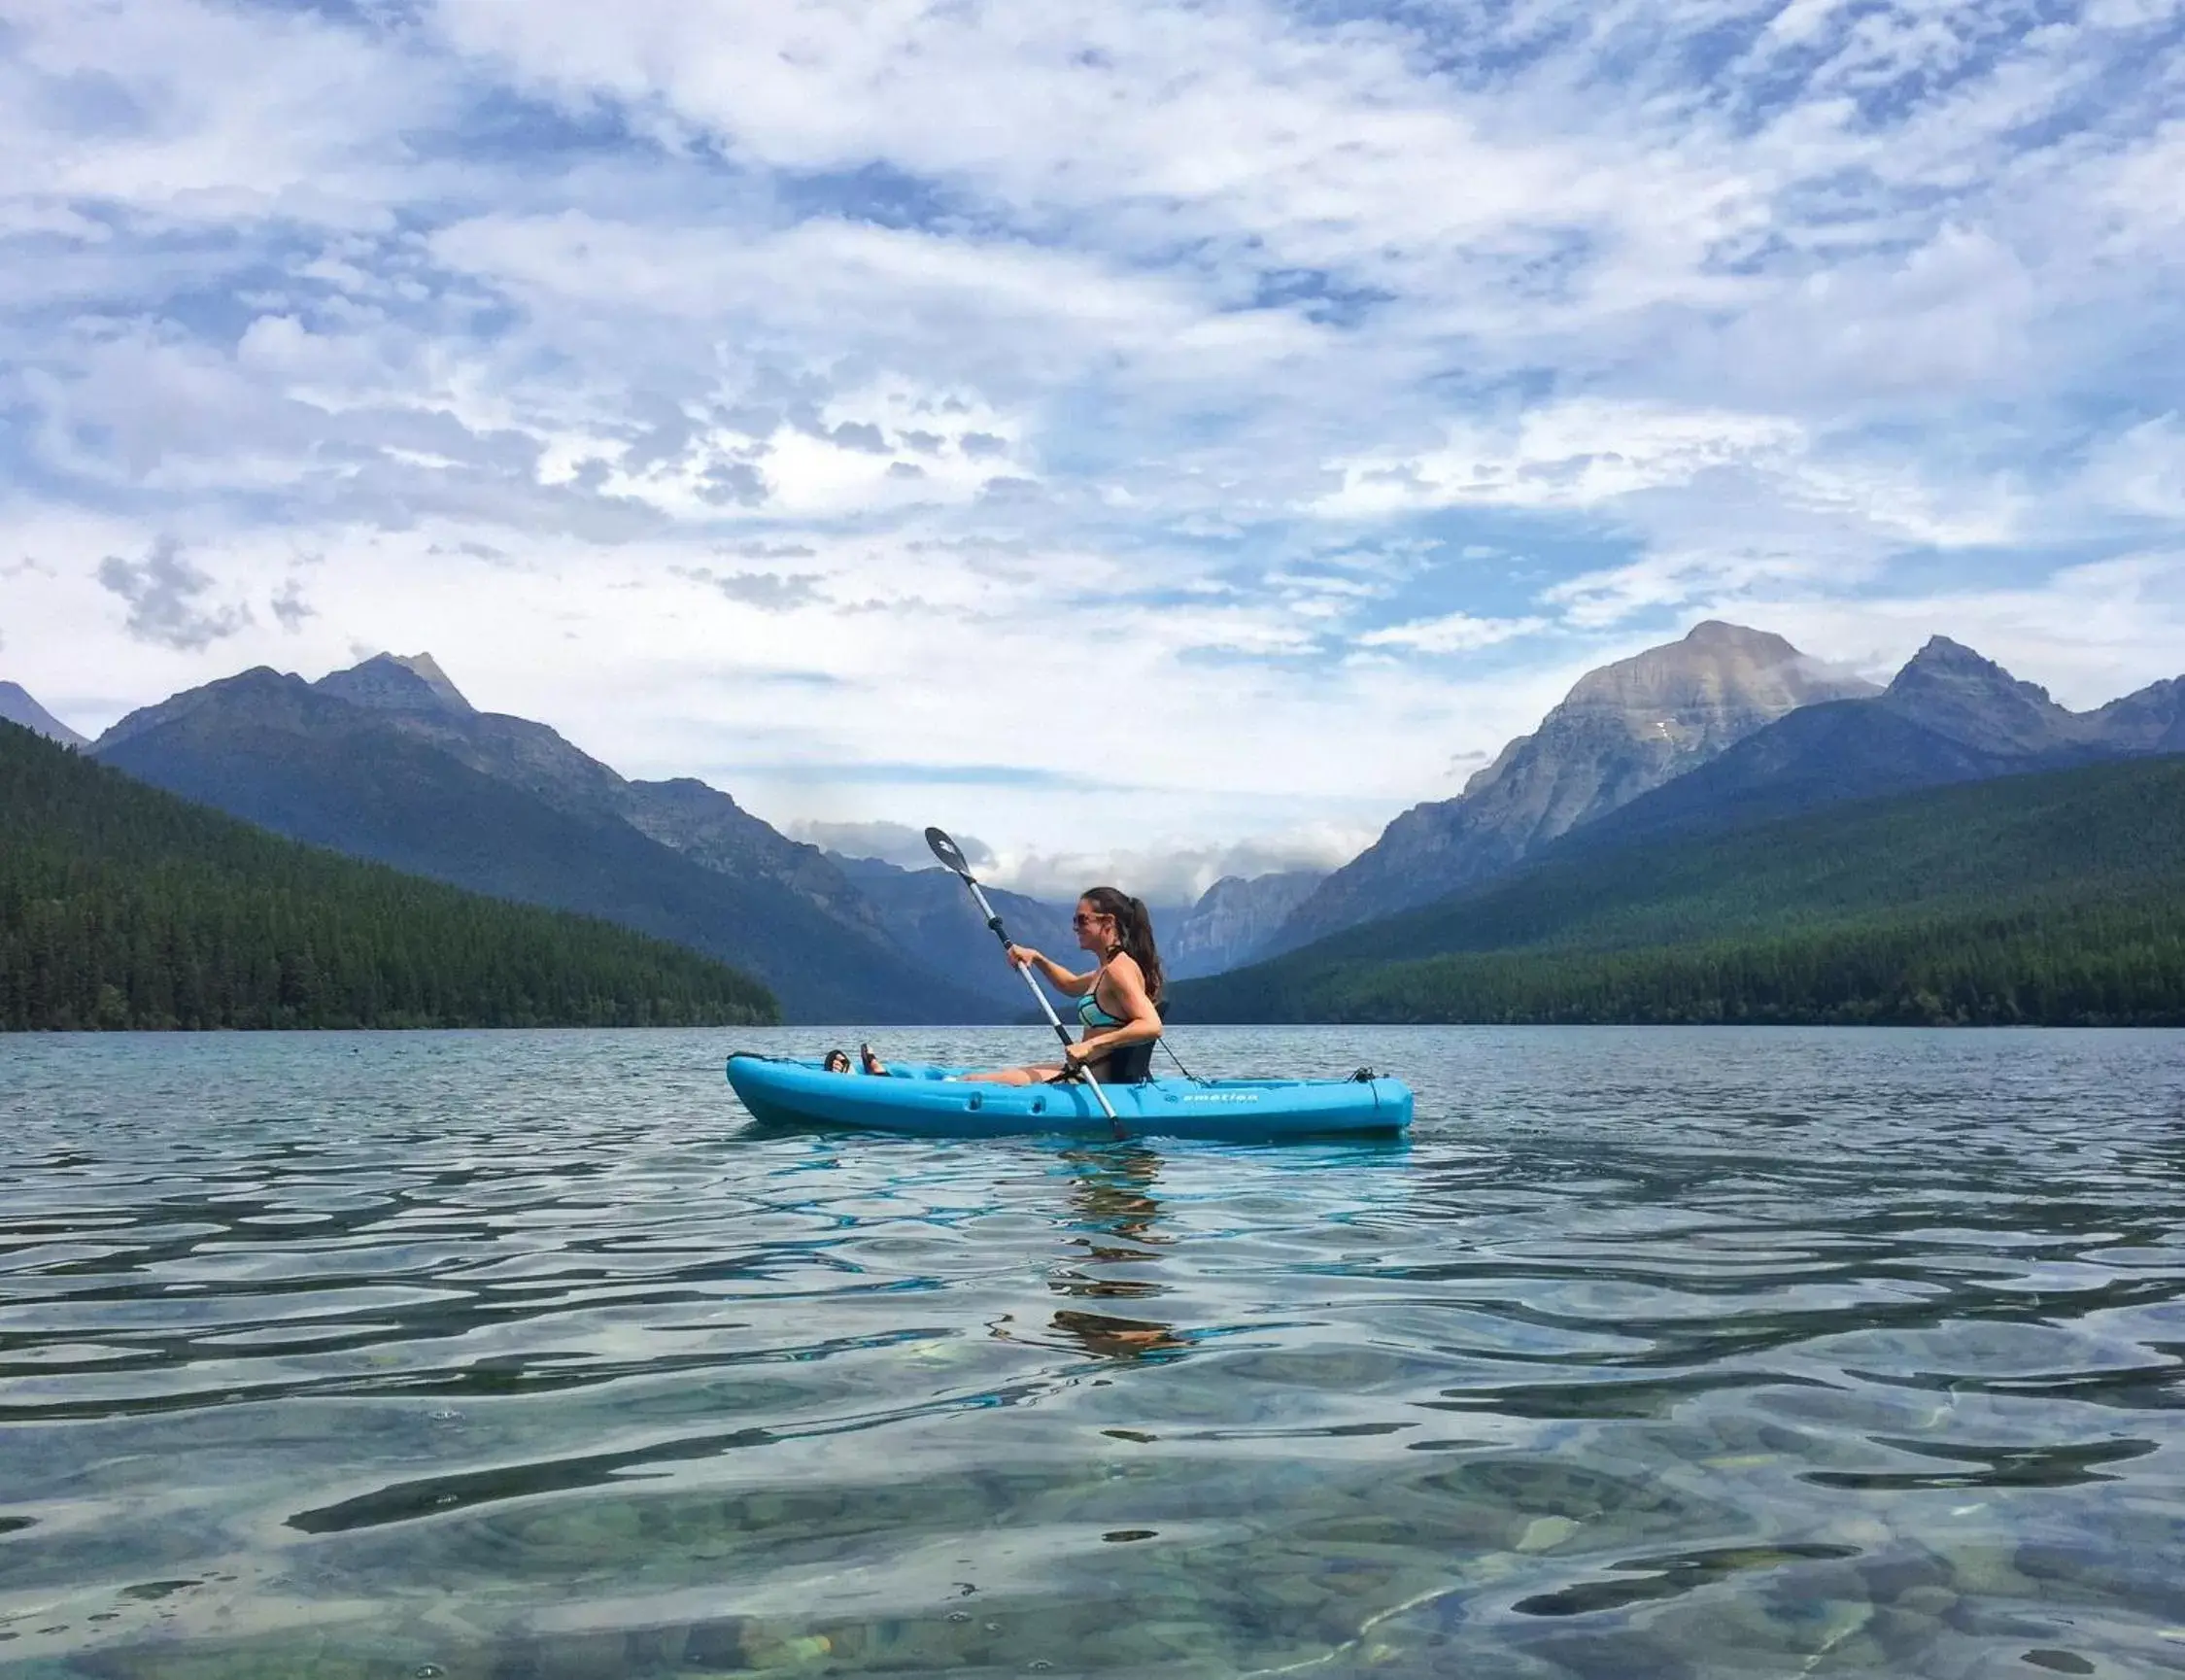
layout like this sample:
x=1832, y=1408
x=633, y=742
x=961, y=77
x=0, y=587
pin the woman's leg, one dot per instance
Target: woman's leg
x=1011, y=1077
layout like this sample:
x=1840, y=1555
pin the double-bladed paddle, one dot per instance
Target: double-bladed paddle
x=951, y=855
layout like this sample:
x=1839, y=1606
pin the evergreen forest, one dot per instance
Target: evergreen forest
x=125, y=907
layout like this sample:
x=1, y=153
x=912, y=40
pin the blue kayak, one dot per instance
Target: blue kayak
x=925, y=1101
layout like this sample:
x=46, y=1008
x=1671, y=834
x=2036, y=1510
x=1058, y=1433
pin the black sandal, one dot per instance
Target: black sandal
x=871, y=1063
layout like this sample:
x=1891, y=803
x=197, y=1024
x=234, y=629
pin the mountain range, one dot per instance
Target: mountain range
x=1949, y=716
x=388, y=761
x=124, y=907
x=1234, y=920
x=1726, y=727
x=1623, y=731
x=929, y=911
x=2054, y=897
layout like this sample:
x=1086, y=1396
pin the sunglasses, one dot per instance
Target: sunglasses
x=1082, y=920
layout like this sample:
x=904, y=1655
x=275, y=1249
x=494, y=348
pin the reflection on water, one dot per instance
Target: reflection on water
x=1652, y=1353
x=1111, y=1192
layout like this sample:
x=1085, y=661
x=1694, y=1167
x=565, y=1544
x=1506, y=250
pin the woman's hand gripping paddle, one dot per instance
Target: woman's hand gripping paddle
x=952, y=857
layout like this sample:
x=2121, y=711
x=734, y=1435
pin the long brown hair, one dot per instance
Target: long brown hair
x=1134, y=932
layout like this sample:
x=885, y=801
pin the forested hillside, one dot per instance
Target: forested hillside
x=2056, y=898
x=124, y=907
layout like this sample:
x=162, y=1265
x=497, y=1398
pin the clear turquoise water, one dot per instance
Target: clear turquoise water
x=1654, y=1353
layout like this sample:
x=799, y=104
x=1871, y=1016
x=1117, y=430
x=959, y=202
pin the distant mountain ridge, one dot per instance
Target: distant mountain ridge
x=1232, y=920
x=929, y=911
x=2054, y=897
x=398, y=683
x=1948, y=716
x=1725, y=727
x=122, y=907
x=684, y=815
x=388, y=761
x=1958, y=791
x=1962, y=697
x=16, y=706
x=1622, y=731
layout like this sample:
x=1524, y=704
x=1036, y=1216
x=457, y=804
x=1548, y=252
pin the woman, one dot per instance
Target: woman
x=1119, y=1002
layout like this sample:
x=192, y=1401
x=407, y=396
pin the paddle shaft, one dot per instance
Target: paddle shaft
x=1045, y=1007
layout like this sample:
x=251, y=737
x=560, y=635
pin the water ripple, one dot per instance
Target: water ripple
x=1654, y=1352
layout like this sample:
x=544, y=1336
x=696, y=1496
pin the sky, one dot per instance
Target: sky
x=1147, y=437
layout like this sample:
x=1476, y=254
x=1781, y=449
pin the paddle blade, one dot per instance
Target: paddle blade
x=949, y=852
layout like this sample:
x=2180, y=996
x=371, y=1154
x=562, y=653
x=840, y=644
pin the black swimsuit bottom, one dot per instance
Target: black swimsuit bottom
x=1132, y=1065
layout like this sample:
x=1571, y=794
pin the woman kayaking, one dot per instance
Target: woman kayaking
x=1118, y=1002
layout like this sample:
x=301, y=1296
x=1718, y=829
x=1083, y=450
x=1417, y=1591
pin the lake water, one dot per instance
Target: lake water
x=1653, y=1352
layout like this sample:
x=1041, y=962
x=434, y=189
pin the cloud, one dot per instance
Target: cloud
x=1574, y=455
x=892, y=842
x=289, y=607
x=860, y=435
x=1321, y=375
x=1174, y=878
x=162, y=591
x=732, y=483
x=767, y=591
x=1452, y=632
x=2142, y=470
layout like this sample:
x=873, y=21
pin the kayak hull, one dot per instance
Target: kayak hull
x=921, y=1100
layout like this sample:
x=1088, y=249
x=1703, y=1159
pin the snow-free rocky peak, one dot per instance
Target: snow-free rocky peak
x=1622, y=731
x=2150, y=720
x=1717, y=673
x=397, y=682
x=1961, y=696
x=1233, y=918
x=1646, y=718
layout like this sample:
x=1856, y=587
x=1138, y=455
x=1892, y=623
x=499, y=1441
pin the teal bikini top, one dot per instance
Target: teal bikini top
x=1091, y=1014
x=1089, y=1011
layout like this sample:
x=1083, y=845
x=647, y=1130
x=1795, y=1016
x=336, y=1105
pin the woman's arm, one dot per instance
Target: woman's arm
x=1141, y=1022
x=1069, y=985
